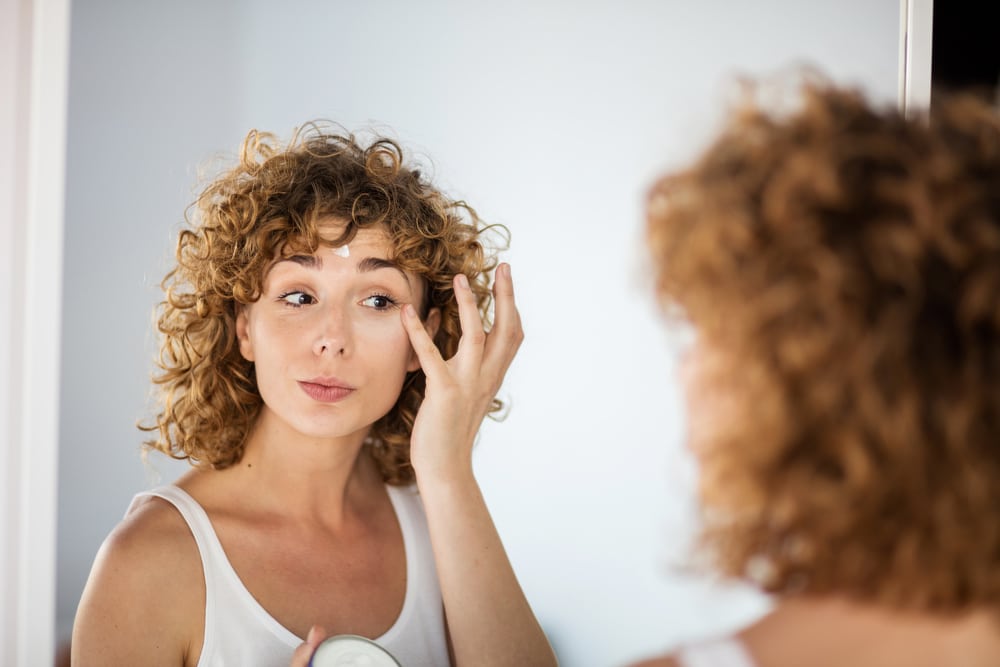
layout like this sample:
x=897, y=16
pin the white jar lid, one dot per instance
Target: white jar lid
x=351, y=651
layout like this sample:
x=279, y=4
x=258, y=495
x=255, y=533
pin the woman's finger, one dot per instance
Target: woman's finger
x=506, y=335
x=427, y=352
x=303, y=654
x=470, y=345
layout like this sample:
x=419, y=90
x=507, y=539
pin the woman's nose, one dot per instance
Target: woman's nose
x=333, y=333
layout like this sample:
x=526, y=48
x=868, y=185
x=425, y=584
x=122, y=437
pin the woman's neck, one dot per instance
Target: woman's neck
x=303, y=478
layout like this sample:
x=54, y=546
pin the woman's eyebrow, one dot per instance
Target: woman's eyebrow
x=375, y=263
x=308, y=261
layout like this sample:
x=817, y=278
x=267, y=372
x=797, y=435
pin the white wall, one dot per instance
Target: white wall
x=550, y=117
x=154, y=89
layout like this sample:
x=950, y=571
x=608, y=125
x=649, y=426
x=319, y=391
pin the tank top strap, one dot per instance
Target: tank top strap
x=193, y=513
x=209, y=548
x=727, y=652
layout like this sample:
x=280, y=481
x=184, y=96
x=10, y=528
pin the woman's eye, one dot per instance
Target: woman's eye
x=297, y=298
x=379, y=302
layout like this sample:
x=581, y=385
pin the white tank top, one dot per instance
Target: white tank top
x=240, y=633
x=716, y=653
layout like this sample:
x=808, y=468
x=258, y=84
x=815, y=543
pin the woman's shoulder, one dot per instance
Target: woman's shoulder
x=150, y=548
x=146, y=578
x=152, y=526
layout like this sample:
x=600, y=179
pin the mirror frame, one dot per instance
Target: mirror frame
x=33, y=128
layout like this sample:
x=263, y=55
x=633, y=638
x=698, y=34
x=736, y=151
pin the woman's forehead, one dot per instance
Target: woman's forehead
x=365, y=243
x=369, y=241
x=368, y=250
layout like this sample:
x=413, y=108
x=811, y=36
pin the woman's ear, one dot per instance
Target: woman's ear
x=431, y=323
x=243, y=333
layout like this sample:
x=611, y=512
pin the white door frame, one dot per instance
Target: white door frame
x=34, y=64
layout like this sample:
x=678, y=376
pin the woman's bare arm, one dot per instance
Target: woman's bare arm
x=489, y=619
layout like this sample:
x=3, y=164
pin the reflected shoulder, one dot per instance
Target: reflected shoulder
x=665, y=661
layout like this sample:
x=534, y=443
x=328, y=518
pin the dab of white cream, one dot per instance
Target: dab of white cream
x=342, y=251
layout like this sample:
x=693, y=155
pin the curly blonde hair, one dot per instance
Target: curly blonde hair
x=844, y=263
x=269, y=206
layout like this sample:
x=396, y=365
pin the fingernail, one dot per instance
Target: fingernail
x=505, y=270
x=463, y=281
x=409, y=310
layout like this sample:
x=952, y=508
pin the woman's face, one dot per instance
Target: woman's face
x=329, y=349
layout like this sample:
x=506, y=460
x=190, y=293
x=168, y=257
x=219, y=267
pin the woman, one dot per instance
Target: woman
x=840, y=265
x=325, y=369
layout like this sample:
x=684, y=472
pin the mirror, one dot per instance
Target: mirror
x=551, y=118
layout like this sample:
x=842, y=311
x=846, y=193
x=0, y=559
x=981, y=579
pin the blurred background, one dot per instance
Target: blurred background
x=550, y=117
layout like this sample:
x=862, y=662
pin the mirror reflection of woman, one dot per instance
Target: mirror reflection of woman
x=840, y=265
x=325, y=367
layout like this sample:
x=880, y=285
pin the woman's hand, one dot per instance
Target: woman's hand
x=460, y=390
x=489, y=619
x=303, y=654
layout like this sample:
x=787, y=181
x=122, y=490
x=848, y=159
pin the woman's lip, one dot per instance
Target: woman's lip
x=325, y=392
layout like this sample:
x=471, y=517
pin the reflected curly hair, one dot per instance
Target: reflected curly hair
x=843, y=263
x=270, y=205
